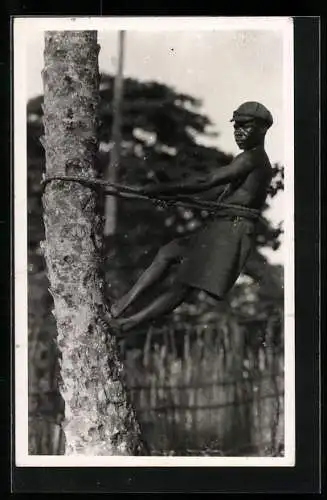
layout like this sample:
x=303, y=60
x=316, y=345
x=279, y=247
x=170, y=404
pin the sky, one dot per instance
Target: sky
x=221, y=68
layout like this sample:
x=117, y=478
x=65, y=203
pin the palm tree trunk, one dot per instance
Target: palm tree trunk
x=99, y=419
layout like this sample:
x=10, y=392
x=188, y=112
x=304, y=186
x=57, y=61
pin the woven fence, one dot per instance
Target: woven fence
x=223, y=396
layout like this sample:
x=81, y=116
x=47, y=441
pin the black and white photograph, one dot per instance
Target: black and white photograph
x=154, y=259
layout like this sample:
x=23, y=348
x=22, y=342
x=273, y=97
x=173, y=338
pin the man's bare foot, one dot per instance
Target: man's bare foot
x=114, y=311
x=114, y=326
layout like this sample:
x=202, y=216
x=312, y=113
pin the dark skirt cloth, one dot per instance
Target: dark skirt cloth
x=214, y=257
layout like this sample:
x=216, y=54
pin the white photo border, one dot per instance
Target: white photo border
x=21, y=28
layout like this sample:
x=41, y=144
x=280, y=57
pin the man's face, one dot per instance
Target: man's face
x=247, y=134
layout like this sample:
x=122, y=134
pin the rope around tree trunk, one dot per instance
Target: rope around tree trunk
x=121, y=191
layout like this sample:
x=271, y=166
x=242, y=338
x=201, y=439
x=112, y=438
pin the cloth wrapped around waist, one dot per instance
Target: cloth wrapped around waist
x=218, y=252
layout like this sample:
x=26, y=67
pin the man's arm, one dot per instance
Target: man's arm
x=240, y=166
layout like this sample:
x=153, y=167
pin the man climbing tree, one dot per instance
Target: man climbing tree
x=213, y=259
x=99, y=419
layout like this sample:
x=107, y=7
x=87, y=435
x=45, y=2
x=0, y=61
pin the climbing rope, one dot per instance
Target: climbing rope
x=126, y=192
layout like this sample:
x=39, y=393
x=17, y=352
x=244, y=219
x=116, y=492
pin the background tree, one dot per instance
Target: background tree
x=99, y=418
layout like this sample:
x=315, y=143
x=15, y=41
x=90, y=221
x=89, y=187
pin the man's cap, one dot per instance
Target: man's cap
x=252, y=110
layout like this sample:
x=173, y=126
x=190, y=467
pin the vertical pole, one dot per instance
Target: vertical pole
x=112, y=172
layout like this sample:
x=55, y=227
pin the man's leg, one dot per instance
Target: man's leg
x=164, y=304
x=163, y=260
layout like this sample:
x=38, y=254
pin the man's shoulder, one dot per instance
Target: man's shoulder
x=249, y=157
x=257, y=156
x=245, y=155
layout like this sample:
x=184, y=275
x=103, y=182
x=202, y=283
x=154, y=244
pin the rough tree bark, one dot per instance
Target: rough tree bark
x=99, y=419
